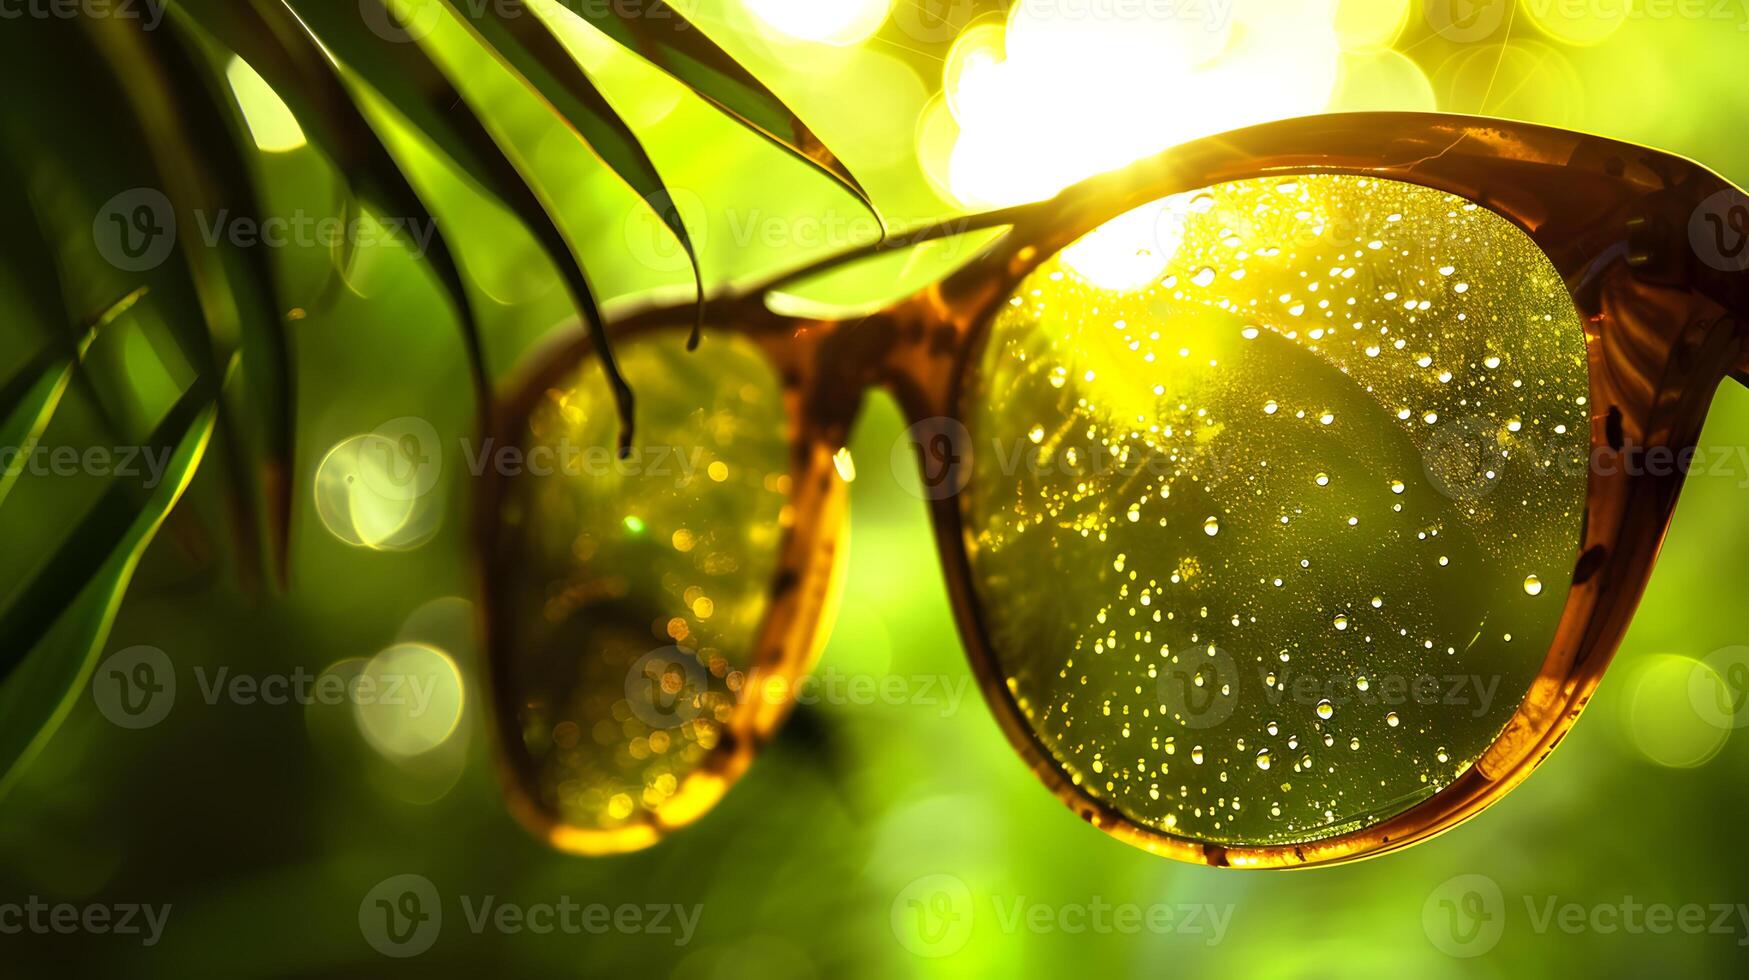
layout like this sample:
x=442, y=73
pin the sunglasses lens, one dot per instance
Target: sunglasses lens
x=628, y=594
x=1277, y=489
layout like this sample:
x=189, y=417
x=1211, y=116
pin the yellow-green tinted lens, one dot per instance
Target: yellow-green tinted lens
x=634, y=589
x=1277, y=492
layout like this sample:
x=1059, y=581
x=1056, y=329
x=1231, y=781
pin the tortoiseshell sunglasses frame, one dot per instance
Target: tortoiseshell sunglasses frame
x=1663, y=329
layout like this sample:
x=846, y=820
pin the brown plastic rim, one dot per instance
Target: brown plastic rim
x=1665, y=324
x=786, y=646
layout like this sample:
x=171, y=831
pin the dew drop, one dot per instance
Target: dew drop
x=1326, y=710
x=1533, y=585
x=1211, y=527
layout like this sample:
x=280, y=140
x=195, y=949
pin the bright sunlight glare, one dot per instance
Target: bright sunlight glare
x=838, y=22
x=1064, y=90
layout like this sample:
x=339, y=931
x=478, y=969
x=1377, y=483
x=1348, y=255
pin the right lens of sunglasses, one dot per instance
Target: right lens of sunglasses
x=630, y=594
x=1276, y=493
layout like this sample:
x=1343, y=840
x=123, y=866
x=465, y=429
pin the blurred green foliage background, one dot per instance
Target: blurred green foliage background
x=265, y=826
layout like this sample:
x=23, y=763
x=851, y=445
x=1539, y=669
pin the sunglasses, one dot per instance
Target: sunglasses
x=1293, y=488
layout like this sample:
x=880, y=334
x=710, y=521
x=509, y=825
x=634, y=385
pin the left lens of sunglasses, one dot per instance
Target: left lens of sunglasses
x=628, y=595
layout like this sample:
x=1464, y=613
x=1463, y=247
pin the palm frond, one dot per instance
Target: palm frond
x=215, y=319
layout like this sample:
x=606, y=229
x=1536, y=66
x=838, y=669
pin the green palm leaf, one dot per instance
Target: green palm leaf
x=200, y=345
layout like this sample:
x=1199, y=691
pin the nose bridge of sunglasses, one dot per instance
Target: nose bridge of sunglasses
x=914, y=350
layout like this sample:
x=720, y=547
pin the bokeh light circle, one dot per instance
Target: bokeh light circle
x=1383, y=81
x=409, y=700
x=353, y=509
x=1662, y=721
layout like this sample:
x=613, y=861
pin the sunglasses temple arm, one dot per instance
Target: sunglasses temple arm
x=899, y=241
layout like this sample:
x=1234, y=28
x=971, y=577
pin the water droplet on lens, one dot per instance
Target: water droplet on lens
x=1533, y=585
x=1326, y=710
x=1211, y=527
